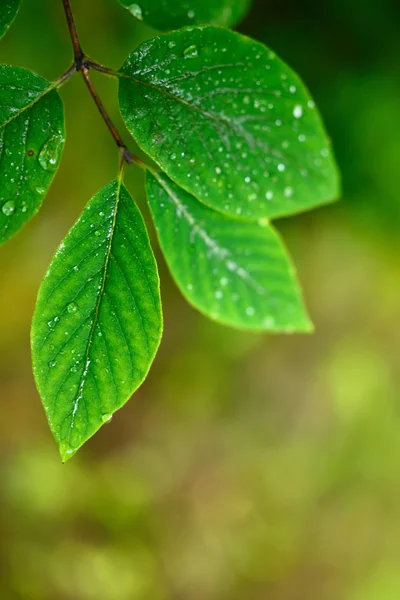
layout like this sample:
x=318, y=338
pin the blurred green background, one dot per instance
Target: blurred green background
x=246, y=467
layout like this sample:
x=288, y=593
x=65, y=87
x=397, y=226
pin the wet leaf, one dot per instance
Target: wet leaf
x=229, y=122
x=8, y=12
x=235, y=272
x=173, y=14
x=97, y=323
x=32, y=138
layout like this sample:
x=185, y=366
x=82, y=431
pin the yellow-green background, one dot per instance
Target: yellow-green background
x=246, y=467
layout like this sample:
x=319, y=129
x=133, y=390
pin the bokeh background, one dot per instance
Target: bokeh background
x=247, y=467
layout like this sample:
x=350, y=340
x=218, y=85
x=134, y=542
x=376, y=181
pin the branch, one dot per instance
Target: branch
x=83, y=64
x=78, y=52
x=126, y=154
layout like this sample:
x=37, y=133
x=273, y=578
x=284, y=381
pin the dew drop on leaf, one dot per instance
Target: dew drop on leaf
x=191, y=52
x=50, y=153
x=106, y=418
x=72, y=308
x=8, y=208
x=136, y=11
x=298, y=111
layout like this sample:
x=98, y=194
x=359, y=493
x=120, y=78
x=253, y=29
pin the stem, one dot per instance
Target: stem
x=83, y=64
x=95, y=66
x=78, y=52
x=126, y=154
x=67, y=75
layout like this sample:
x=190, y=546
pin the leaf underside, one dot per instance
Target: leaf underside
x=229, y=122
x=173, y=14
x=32, y=136
x=8, y=12
x=236, y=272
x=98, y=322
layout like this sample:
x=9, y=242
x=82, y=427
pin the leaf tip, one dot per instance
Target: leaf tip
x=66, y=451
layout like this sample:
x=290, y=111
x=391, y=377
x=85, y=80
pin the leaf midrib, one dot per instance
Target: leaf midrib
x=79, y=395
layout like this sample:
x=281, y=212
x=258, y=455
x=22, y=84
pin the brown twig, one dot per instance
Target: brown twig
x=126, y=154
x=78, y=52
x=83, y=64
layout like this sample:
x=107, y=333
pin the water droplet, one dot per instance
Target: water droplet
x=97, y=233
x=136, y=11
x=106, y=418
x=52, y=364
x=50, y=153
x=171, y=44
x=269, y=322
x=72, y=308
x=298, y=111
x=8, y=208
x=191, y=52
x=250, y=311
x=288, y=192
x=191, y=14
x=269, y=195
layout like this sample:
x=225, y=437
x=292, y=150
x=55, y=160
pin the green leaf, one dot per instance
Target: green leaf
x=98, y=321
x=229, y=122
x=173, y=14
x=32, y=137
x=235, y=272
x=8, y=12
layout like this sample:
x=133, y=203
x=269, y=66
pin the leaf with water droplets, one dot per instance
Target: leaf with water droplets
x=8, y=12
x=97, y=323
x=234, y=271
x=229, y=122
x=173, y=14
x=31, y=142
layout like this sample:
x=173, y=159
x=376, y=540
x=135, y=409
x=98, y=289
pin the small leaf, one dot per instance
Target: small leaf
x=173, y=14
x=229, y=122
x=98, y=322
x=32, y=136
x=8, y=12
x=235, y=272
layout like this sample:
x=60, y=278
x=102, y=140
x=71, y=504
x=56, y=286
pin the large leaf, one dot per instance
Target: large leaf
x=234, y=271
x=32, y=137
x=228, y=121
x=8, y=12
x=97, y=323
x=173, y=14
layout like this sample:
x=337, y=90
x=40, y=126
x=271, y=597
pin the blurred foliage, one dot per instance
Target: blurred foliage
x=246, y=467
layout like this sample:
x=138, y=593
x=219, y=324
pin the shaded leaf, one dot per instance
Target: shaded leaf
x=173, y=14
x=97, y=323
x=32, y=136
x=8, y=12
x=229, y=122
x=235, y=272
